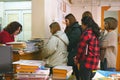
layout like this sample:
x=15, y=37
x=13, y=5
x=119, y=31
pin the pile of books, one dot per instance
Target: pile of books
x=106, y=75
x=31, y=69
x=17, y=45
x=37, y=75
x=62, y=72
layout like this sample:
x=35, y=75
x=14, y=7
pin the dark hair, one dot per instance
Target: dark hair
x=55, y=26
x=71, y=18
x=12, y=27
x=87, y=13
x=111, y=23
x=90, y=23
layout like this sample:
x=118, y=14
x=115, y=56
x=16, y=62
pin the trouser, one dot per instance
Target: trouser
x=85, y=74
x=76, y=72
x=103, y=65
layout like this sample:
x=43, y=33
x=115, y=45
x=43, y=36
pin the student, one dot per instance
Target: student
x=9, y=32
x=55, y=51
x=110, y=48
x=73, y=31
x=87, y=13
x=88, y=49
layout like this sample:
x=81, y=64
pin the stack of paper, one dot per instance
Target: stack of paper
x=62, y=72
x=38, y=75
x=17, y=45
x=28, y=66
x=106, y=75
x=31, y=69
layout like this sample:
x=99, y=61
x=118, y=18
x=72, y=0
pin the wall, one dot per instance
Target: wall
x=44, y=12
x=95, y=7
x=38, y=18
x=11, y=6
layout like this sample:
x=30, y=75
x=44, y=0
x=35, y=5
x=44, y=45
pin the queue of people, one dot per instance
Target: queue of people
x=77, y=46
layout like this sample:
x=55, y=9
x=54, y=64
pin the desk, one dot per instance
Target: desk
x=28, y=56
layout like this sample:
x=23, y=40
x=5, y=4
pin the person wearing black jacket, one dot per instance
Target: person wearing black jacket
x=73, y=31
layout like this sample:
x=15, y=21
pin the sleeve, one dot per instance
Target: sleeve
x=50, y=48
x=5, y=38
x=74, y=38
x=112, y=40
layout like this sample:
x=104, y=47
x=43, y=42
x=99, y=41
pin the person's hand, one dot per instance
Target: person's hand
x=21, y=52
x=75, y=60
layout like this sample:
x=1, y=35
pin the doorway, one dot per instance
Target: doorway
x=24, y=17
x=17, y=11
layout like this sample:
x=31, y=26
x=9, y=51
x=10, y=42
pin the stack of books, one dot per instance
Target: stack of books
x=106, y=75
x=17, y=45
x=31, y=69
x=37, y=75
x=28, y=65
x=62, y=72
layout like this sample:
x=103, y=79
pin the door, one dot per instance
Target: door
x=23, y=17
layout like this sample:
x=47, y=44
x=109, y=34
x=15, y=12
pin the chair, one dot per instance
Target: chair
x=5, y=60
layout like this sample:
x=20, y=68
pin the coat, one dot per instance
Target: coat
x=55, y=51
x=73, y=32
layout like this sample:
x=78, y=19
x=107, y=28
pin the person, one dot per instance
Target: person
x=8, y=35
x=109, y=45
x=54, y=52
x=87, y=13
x=88, y=48
x=9, y=32
x=73, y=31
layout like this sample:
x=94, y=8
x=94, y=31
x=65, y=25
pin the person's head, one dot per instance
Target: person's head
x=87, y=13
x=70, y=19
x=14, y=28
x=89, y=23
x=110, y=23
x=54, y=27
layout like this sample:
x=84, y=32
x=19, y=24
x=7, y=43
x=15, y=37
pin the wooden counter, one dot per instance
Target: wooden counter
x=28, y=56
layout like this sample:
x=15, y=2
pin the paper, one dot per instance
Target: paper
x=30, y=62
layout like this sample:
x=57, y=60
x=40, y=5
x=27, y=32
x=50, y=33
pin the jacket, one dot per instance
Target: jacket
x=73, y=32
x=55, y=51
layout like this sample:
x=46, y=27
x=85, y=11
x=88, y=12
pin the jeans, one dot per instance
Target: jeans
x=85, y=74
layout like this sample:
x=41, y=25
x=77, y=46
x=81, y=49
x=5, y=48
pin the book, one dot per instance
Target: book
x=17, y=45
x=30, y=62
x=39, y=74
x=62, y=72
x=28, y=66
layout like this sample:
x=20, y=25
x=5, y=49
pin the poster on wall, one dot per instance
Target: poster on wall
x=61, y=12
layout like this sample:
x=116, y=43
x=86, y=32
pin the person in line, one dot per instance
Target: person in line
x=73, y=31
x=9, y=32
x=54, y=52
x=109, y=45
x=87, y=13
x=88, y=48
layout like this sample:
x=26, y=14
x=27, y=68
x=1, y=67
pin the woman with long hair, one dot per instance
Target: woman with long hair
x=88, y=49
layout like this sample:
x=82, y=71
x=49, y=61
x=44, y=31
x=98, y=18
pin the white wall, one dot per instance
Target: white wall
x=44, y=12
x=94, y=7
x=17, y=5
x=38, y=19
